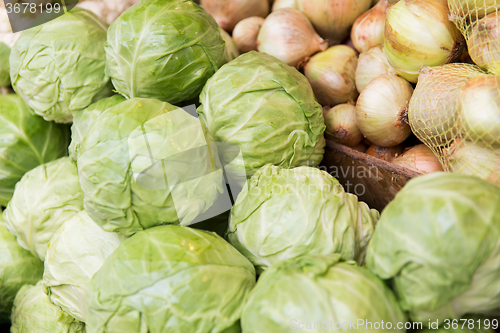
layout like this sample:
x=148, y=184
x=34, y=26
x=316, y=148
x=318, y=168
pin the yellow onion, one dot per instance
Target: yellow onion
x=385, y=153
x=480, y=110
x=332, y=19
x=474, y=159
x=382, y=110
x=433, y=109
x=418, y=33
x=288, y=35
x=245, y=33
x=419, y=158
x=484, y=43
x=228, y=13
x=341, y=123
x=471, y=10
x=231, y=51
x=372, y=64
x=368, y=29
x=331, y=74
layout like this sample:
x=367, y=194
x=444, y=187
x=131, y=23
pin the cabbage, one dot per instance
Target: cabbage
x=26, y=141
x=318, y=293
x=438, y=242
x=170, y=279
x=4, y=65
x=287, y=213
x=44, y=199
x=58, y=67
x=267, y=109
x=164, y=49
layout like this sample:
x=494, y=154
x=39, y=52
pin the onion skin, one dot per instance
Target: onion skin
x=382, y=110
x=332, y=75
x=433, y=109
x=418, y=33
x=385, y=153
x=480, y=110
x=341, y=123
x=484, y=43
x=228, y=13
x=245, y=33
x=419, y=158
x=372, y=64
x=361, y=147
x=288, y=35
x=471, y=9
x=368, y=29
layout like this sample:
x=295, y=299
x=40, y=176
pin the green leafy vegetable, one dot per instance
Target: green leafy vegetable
x=4, y=65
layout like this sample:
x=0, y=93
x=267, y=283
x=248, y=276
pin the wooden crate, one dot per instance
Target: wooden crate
x=373, y=180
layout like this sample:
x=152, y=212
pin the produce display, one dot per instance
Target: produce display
x=250, y=166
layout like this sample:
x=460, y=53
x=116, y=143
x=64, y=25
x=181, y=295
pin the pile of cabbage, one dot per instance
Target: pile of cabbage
x=125, y=212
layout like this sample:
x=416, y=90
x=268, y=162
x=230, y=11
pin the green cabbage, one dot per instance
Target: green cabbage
x=170, y=279
x=75, y=253
x=44, y=199
x=267, y=109
x=232, y=51
x=4, y=65
x=26, y=141
x=58, y=67
x=320, y=294
x=438, y=242
x=287, y=213
x=33, y=312
x=17, y=268
x=164, y=49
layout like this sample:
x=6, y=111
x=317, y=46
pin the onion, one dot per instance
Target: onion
x=470, y=158
x=470, y=10
x=385, y=153
x=245, y=33
x=231, y=52
x=418, y=33
x=372, y=64
x=480, y=110
x=419, y=158
x=288, y=35
x=6, y=35
x=332, y=19
x=341, y=123
x=331, y=74
x=228, y=13
x=361, y=147
x=433, y=108
x=368, y=29
x=382, y=110
x=108, y=10
x=484, y=43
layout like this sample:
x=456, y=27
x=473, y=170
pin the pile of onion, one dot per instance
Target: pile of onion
x=484, y=43
x=372, y=64
x=228, y=13
x=419, y=158
x=368, y=29
x=332, y=75
x=245, y=33
x=341, y=124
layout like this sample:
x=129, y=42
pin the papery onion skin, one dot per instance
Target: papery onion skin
x=332, y=75
x=228, y=13
x=372, y=64
x=245, y=33
x=433, y=109
x=471, y=9
x=385, y=153
x=288, y=35
x=484, y=43
x=480, y=110
x=341, y=123
x=419, y=158
x=368, y=29
x=418, y=33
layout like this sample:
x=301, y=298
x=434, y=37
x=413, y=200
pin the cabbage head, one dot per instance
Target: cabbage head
x=44, y=199
x=125, y=156
x=286, y=213
x=318, y=293
x=170, y=279
x=26, y=141
x=75, y=253
x=4, y=65
x=17, y=268
x=163, y=49
x=59, y=67
x=438, y=242
x=34, y=312
x=267, y=109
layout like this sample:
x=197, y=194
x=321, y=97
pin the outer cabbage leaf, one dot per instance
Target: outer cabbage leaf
x=4, y=65
x=170, y=278
x=287, y=213
x=44, y=199
x=439, y=243
x=26, y=141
